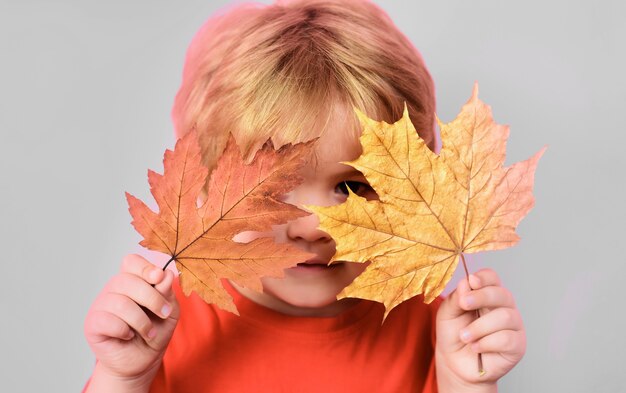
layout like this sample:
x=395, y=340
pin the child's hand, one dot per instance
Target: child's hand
x=498, y=334
x=130, y=324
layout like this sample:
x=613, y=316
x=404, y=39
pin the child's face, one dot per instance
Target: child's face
x=311, y=287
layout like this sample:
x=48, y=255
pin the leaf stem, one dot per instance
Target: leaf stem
x=481, y=369
x=172, y=258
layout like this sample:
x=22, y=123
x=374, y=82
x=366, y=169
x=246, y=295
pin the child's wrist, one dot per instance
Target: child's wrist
x=102, y=380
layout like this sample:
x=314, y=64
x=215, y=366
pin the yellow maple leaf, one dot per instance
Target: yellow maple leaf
x=432, y=208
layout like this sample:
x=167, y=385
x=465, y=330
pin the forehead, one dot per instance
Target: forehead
x=335, y=146
x=339, y=138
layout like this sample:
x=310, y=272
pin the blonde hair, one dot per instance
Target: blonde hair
x=280, y=71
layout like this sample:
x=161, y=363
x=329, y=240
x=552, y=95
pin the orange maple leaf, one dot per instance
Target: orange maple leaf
x=432, y=208
x=240, y=197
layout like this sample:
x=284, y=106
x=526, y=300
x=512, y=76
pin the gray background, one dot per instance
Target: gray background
x=85, y=94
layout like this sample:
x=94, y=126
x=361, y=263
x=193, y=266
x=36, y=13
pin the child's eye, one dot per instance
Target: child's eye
x=361, y=189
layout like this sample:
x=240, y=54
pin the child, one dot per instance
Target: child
x=293, y=71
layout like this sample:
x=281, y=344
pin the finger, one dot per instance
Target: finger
x=102, y=325
x=449, y=308
x=166, y=290
x=499, y=319
x=141, y=293
x=509, y=342
x=469, y=284
x=128, y=311
x=488, y=297
x=487, y=277
x=141, y=267
x=165, y=285
x=452, y=307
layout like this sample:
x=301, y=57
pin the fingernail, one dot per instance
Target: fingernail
x=165, y=311
x=152, y=333
x=465, y=335
x=469, y=301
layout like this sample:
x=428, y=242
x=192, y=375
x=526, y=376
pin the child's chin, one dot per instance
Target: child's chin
x=314, y=302
x=319, y=306
x=323, y=307
x=305, y=303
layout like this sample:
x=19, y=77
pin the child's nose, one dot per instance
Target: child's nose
x=306, y=228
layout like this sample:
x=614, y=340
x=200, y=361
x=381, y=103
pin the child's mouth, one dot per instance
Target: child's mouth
x=315, y=266
x=318, y=263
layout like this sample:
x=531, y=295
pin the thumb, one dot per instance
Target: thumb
x=452, y=308
x=166, y=289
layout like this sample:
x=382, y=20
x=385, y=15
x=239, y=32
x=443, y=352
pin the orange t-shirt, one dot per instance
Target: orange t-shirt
x=265, y=351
